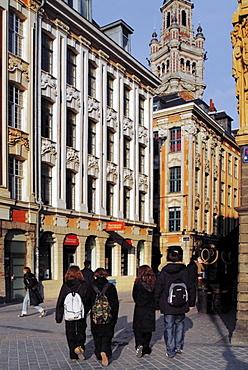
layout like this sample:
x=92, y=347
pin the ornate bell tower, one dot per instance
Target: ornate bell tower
x=178, y=59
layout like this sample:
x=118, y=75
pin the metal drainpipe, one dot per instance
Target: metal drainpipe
x=37, y=141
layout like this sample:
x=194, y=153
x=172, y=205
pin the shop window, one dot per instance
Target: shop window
x=45, y=246
x=90, y=251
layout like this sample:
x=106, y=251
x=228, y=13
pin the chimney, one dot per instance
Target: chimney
x=211, y=106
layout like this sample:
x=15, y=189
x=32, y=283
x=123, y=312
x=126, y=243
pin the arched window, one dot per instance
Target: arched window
x=194, y=68
x=168, y=66
x=188, y=66
x=168, y=19
x=184, y=18
x=182, y=64
x=90, y=251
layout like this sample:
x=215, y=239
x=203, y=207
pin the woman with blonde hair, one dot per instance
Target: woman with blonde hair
x=75, y=329
x=144, y=309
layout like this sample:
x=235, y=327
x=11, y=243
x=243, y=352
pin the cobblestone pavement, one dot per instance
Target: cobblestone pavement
x=34, y=343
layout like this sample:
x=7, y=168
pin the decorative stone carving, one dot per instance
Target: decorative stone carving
x=143, y=137
x=128, y=177
x=207, y=166
x=93, y=165
x=111, y=118
x=112, y=174
x=72, y=156
x=48, y=147
x=197, y=160
x=162, y=132
x=48, y=82
x=93, y=108
x=16, y=63
x=189, y=129
x=128, y=127
x=143, y=182
x=203, y=134
x=73, y=95
x=216, y=171
x=18, y=137
x=62, y=25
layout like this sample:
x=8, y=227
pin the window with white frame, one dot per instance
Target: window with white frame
x=141, y=206
x=46, y=118
x=235, y=197
x=46, y=184
x=110, y=145
x=175, y=139
x=229, y=164
x=175, y=179
x=71, y=129
x=92, y=80
x=235, y=170
x=92, y=138
x=15, y=178
x=15, y=34
x=46, y=53
x=141, y=111
x=126, y=157
x=174, y=219
x=110, y=91
x=70, y=190
x=110, y=199
x=141, y=159
x=71, y=67
x=91, y=194
x=222, y=193
x=126, y=102
x=15, y=106
x=126, y=203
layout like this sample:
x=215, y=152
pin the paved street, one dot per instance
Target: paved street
x=39, y=343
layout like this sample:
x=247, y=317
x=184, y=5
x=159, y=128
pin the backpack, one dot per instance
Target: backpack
x=101, y=310
x=178, y=294
x=73, y=307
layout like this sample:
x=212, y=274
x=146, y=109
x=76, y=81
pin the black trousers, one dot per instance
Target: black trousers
x=75, y=335
x=143, y=339
x=103, y=344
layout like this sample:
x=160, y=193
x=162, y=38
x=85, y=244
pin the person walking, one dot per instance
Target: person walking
x=175, y=294
x=32, y=295
x=103, y=323
x=144, y=310
x=75, y=328
x=88, y=274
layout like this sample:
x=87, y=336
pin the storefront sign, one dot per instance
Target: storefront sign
x=115, y=226
x=245, y=155
x=19, y=216
x=71, y=240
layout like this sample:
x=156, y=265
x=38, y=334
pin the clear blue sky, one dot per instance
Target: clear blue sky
x=215, y=17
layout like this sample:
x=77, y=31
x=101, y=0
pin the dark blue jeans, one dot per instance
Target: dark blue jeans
x=174, y=333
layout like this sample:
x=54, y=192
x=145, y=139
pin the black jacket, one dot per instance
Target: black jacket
x=170, y=273
x=88, y=275
x=31, y=284
x=78, y=286
x=111, y=294
x=144, y=309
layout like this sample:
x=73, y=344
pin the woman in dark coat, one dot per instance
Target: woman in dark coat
x=76, y=329
x=144, y=310
x=32, y=294
x=103, y=333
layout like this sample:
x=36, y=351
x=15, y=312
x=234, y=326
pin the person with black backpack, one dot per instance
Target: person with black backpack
x=175, y=294
x=104, y=315
x=73, y=304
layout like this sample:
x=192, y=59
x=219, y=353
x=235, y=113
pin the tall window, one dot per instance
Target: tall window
x=215, y=186
x=206, y=186
x=126, y=101
x=46, y=184
x=141, y=111
x=126, y=203
x=92, y=81
x=174, y=219
x=229, y=164
x=175, y=139
x=126, y=159
x=70, y=190
x=222, y=160
x=92, y=138
x=46, y=118
x=206, y=219
x=15, y=34
x=71, y=129
x=141, y=159
x=235, y=197
x=15, y=106
x=141, y=206
x=222, y=193
x=110, y=91
x=110, y=199
x=175, y=179
x=197, y=174
x=91, y=194
x=235, y=170
x=47, y=53
x=168, y=19
x=15, y=178
x=110, y=145
x=229, y=196
x=71, y=68
x=184, y=18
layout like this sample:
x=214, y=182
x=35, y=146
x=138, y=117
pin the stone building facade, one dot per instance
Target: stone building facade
x=76, y=164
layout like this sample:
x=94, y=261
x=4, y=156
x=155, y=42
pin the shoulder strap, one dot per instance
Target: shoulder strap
x=104, y=288
x=96, y=289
